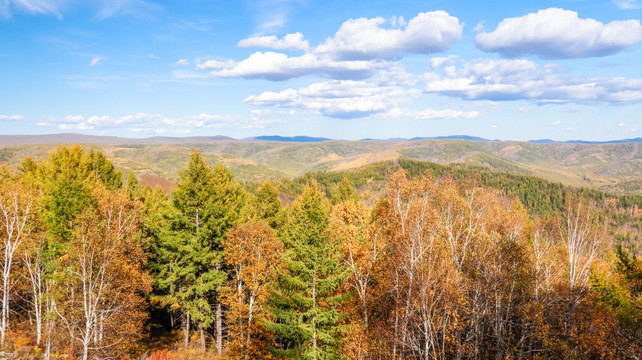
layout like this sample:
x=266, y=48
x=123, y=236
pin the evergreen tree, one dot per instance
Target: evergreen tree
x=205, y=204
x=104, y=170
x=268, y=205
x=67, y=183
x=306, y=298
x=344, y=192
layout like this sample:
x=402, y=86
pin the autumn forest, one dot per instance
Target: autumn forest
x=400, y=260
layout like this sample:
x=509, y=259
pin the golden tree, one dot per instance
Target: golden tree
x=251, y=250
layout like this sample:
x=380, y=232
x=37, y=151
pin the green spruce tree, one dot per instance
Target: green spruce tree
x=205, y=204
x=306, y=298
x=268, y=205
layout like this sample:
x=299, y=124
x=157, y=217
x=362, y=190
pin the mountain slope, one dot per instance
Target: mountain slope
x=614, y=167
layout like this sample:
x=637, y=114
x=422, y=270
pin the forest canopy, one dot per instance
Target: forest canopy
x=404, y=260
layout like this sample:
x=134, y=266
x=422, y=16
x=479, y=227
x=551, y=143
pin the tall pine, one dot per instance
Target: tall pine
x=305, y=302
x=205, y=204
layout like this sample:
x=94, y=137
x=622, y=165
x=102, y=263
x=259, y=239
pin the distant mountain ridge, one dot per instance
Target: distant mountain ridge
x=549, y=141
x=67, y=138
x=301, y=139
x=611, y=166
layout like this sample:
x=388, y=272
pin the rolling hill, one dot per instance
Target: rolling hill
x=613, y=167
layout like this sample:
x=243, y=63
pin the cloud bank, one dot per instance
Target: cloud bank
x=502, y=80
x=158, y=123
x=559, y=34
x=356, y=51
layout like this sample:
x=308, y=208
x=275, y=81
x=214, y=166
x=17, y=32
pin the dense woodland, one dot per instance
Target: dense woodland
x=405, y=260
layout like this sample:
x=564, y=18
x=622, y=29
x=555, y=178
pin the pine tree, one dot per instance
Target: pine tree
x=206, y=203
x=268, y=205
x=344, y=192
x=306, y=299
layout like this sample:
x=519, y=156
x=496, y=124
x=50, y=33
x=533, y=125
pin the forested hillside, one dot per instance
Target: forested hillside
x=613, y=168
x=393, y=260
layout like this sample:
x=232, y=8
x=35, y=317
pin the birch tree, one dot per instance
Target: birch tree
x=252, y=252
x=16, y=223
x=103, y=304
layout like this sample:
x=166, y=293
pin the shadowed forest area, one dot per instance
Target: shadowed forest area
x=398, y=260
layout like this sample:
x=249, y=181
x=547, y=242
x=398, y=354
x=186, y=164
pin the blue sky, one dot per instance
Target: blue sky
x=515, y=70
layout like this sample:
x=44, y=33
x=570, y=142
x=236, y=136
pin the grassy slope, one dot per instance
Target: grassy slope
x=611, y=167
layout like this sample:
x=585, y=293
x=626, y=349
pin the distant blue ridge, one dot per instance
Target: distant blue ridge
x=303, y=139
x=311, y=139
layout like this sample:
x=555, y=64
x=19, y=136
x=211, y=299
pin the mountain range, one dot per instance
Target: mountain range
x=66, y=138
x=613, y=166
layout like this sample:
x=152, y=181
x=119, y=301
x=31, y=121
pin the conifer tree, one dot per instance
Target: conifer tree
x=206, y=203
x=306, y=299
x=344, y=192
x=268, y=205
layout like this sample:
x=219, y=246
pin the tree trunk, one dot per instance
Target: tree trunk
x=219, y=329
x=203, y=345
x=186, y=330
x=48, y=349
x=85, y=350
x=314, y=319
x=4, y=326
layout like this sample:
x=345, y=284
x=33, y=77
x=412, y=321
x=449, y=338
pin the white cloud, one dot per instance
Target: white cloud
x=95, y=61
x=158, y=123
x=525, y=80
x=358, y=49
x=152, y=56
x=215, y=64
x=11, y=117
x=437, y=62
x=277, y=66
x=289, y=41
x=181, y=62
x=397, y=21
x=627, y=4
x=559, y=34
x=338, y=98
x=364, y=39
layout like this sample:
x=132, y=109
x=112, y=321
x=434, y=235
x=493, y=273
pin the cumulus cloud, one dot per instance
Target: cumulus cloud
x=559, y=34
x=289, y=41
x=356, y=51
x=506, y=79
x=157, y=123
x=347, y=99
x=338, y=98
x=360, y=39
x=277, y=66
